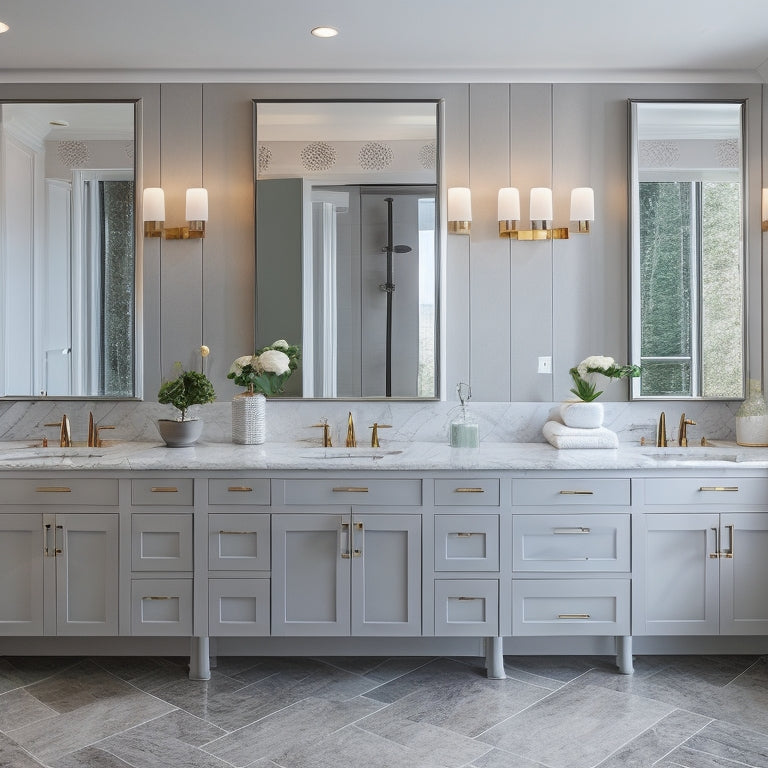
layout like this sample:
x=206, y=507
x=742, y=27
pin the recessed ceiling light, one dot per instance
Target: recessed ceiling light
x=325, y=32
x=3, y=27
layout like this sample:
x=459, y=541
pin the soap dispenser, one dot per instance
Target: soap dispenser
x=465, y=431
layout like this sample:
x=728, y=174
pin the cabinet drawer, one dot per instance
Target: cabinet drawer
x=69, y=491
x=589, y=491
x=571, y=542
x=460, y=493
x=570, y=607
x=238, y=542
x=466, y=542
x=354, y=490
x=161, y=542
x=161, y=607
x=466, y=607
x=237, y=490
x=238, y=607
x=718, y=491
x=165, y=492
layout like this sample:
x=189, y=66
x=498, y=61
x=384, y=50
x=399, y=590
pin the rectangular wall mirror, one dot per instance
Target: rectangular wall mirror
x=67, y=250
x=347, y=244
x=687, y=249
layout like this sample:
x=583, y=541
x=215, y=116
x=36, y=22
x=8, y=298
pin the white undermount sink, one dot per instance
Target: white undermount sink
x=350, y=453
x=693, y=454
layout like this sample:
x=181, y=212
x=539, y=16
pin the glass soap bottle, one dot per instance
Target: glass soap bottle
x=464, y=431
x=752, y=418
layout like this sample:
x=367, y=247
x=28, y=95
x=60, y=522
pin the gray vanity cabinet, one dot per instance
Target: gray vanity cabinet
x=346, y=572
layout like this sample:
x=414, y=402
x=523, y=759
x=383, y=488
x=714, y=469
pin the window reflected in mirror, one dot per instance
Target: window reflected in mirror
x=687, y=249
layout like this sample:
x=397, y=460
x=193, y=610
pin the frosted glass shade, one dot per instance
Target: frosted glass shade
x=459, y=204
x=541, y=204
x=582, y=204
x=197, y=204
x=154, y=204
x=509, y=204
x=765, y=205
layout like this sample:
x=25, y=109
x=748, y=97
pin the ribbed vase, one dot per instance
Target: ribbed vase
x=249, y=419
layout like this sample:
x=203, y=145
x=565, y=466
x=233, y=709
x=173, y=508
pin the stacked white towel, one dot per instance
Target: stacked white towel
x=561, y=436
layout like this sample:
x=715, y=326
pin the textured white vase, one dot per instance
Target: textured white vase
x=249, y=419
x=582, y=415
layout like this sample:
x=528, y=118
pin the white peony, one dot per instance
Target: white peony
x=274, y=361
x=594, y=361
x=237, y=367
x=281, y=344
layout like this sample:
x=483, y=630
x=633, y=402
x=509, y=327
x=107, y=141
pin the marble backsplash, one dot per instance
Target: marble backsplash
x=291, y=420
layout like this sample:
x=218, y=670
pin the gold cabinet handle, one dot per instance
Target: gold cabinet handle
x=717, y=553
x=164, y=489
x=345, y=553
x=48, y=540
x=236, y=533
x=157, y=597
x=239, y=489
x=573, y=616
x=731, y=488
x=350, y=490
x=470, y=598
x=53, y=489
x=469, y=490
x=577, y=493
x=465, y=534
x=58, y=549
x=731, y=529
x=578, y=530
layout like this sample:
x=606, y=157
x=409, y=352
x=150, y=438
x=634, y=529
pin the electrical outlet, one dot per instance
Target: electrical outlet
x=545, y=365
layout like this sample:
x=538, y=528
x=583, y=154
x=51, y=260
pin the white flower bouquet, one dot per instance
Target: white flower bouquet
x=266, y=371
x=584, y=388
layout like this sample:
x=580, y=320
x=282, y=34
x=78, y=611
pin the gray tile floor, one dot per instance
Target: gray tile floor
x=562, y=712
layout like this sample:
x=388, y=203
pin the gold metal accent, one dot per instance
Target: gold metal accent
x=470, y=598
x=236, y=533
x=239, y=489
x=729, y=553
x=459, y=227
x=573, y=616
x=555, y=233
x=326, y=432
x=153, y=229
x=350, y=490
x=58, y=549
x=464, y=534
x=358, y=526
x=577, y=530
x=157, y=597
x=661, y=432
x=164, y=489
x=65, y=435
x=469, y=490
x=195, y=230
x=53, y=489
x=577, y=493
x=99, y=441
x=682, y=432
x=716, y=488
x=717, y=553
x=375, y=434
x=351, y=441
x=345, y=554
x=47, y=546
x=357, y=553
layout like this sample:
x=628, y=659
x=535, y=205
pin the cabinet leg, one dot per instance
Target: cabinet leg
x=494, y=658
x=624, y=654
x=199, y=661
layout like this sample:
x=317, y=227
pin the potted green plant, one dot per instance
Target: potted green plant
x=187, y=389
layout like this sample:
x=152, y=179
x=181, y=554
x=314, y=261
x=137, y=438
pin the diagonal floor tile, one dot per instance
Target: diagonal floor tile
x=498, y=759
x=180, y=726
x=90, y=757
x=734, y=742
x=576, y=726
x=18, y=671
x=145, y=672
x=18, y=708
x=13, y=756
x=690, y=758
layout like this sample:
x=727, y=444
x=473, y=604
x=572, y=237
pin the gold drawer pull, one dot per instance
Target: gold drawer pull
x=164, y=489
x=719, y=488
x=470, y=598
x=236, y=533
x=53, y=489
x=465, y=534
x=573, y=616
x=239, y=489
x=157, y=597
x=578, y=530
x=469, y=490
x=577, y=493
x=350, y=490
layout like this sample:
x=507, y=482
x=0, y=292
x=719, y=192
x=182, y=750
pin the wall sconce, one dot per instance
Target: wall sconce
x=541, y=214
x=154, y=215
x=459, y=210
x=764, y=216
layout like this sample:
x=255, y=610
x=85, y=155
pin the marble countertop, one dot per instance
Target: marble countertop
x=421, y=456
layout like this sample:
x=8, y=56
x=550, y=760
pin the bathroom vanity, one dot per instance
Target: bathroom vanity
x=409, y=541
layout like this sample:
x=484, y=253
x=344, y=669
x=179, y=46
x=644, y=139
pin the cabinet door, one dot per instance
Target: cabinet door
x=386, y=575
x=310, y=574
x=21, y=574
x=744, y=576
x=676, y=581
x=86, y=574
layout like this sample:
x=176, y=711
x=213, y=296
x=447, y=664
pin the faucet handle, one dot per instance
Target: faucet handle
x=326, y=432
x=65, y=434
x=351, y=439
x=375, y=434
x=98, y=442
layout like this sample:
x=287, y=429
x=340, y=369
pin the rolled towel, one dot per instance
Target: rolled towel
x=560, y=436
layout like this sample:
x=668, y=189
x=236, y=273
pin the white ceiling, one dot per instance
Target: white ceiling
x=386, y=40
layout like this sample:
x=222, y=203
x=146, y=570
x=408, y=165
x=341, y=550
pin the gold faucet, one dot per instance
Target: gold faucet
x=661, y=432
x=65, y=435
x=351, y=441
x=94, y=439
x=375, y=434
x=326, y=432
x=682, y=435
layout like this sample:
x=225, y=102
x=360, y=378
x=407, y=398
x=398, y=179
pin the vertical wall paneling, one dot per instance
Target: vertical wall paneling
x=530, y=141
x=181, y=288
x=763, y=235
x=490, y=359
